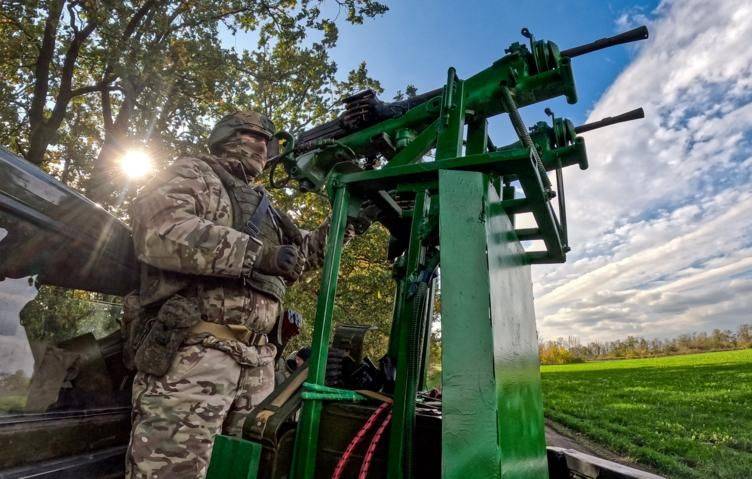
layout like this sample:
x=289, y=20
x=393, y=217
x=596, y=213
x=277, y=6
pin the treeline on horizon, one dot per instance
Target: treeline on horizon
x=571, y=350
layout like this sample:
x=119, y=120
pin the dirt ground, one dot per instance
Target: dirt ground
x=560, y=436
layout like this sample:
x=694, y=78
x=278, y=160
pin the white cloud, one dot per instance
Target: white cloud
x=660, y=224
x=15, y=351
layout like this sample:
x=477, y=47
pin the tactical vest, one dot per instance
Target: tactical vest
x=244, y=200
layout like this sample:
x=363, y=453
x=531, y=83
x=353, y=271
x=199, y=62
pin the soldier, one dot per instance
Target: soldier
x=216, y=260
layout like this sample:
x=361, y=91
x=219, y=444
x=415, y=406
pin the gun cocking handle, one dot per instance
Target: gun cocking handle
x=526, y=33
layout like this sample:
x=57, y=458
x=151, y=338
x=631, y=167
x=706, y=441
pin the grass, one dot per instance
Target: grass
x=12, y=403
x=686, y=416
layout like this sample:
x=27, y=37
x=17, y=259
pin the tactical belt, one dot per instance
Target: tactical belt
x=236, y=332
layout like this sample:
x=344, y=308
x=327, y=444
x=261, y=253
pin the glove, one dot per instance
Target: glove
x=366, y=216
x=277, y=260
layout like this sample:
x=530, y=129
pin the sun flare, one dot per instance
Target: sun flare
x=136, y=164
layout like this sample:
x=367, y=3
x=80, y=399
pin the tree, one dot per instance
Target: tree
x=156, y=74
x=83, y=80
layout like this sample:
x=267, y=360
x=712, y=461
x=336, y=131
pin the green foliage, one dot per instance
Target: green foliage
x=570, y=350
x=80, y=82
x=87, y=80
x=13, y=403
x=410, y=91
x=433, y=379
x=57, y=314
x=554, y=353
x=14, y=383
x=687, y=416
x=13, y=389
x=364, y=294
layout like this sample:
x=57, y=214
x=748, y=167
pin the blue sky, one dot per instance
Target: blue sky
x=661, y=223
x=417, y=40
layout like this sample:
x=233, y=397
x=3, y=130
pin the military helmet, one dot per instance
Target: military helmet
x=244, y=120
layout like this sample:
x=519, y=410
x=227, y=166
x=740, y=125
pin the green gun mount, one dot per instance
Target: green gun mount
x=455, y=210
x=525, y=75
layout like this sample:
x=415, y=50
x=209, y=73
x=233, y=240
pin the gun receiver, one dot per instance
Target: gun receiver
x=637, y=34
x=635, y=114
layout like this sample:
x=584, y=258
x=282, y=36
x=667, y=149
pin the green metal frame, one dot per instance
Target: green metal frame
x=472, y=355
x=234, y=457
x=518, y=79
x=464, y=200
x=492, y=402
x=304, y=457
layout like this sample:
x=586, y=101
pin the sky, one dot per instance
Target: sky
x=660, y=225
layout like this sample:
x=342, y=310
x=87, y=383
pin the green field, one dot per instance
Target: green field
x=686, y=416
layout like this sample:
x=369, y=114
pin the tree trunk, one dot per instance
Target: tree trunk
x=41, y=136
x=105, y=177
x=44, y=130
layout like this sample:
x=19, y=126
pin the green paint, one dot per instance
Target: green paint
x=418, y=147
x=492, y=405
x=452, y=126
x=515, y=350
x=234, y=457
x=477, y=137
x=304, y=457
x=403, y=412
x=470, y=445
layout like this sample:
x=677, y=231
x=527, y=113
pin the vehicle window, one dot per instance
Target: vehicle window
x=59, y=348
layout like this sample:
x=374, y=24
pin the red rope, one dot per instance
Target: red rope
x=342, y=463
x=372, y=447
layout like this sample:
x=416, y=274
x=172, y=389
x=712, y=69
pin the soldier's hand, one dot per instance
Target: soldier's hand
x=277, y=260
x=368, y=213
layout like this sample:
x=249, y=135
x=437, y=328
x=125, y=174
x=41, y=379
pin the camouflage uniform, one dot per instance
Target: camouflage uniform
x=183, y=235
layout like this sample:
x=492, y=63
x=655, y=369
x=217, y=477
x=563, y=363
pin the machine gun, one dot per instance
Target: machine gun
x=455, y=209
x=397, y=135
x=364, y=108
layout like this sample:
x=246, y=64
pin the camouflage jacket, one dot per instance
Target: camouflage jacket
x=183, y=236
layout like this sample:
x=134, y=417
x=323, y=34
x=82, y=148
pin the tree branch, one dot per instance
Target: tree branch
x=44, y=60
x=66, y=75
x=29, y=36
x=106, y=110
x=92, y=88
x=134, y=22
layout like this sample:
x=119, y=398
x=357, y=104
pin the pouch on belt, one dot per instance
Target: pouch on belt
x=170, y=328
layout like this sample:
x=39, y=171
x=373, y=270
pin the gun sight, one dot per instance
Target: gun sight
x=639, y=33
x=611, y=120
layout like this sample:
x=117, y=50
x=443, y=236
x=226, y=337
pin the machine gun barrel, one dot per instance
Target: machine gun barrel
x=611, y=120
x=639, y=33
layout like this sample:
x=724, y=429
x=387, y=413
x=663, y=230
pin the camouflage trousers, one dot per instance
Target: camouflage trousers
x=176, y=416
